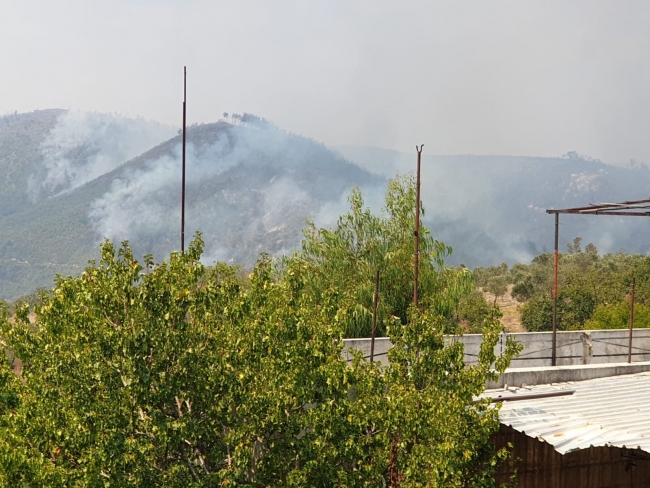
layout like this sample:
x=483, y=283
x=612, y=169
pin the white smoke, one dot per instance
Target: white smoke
x=85, y=145
x=248, y=191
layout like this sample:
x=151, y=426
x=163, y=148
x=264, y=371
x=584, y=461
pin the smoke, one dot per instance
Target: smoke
x=491, y=209
x=249, y=189
x=85, y=145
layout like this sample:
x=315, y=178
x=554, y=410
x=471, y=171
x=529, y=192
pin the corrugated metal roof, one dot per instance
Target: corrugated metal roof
x=611, y=411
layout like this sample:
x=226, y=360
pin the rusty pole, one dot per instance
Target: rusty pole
x=416, y=265
x=556, y=259
x=374, y=318
x=183, y=164
x=629, y=347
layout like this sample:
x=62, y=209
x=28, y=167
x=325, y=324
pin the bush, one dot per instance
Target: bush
x=574, y=307
x=617, y=316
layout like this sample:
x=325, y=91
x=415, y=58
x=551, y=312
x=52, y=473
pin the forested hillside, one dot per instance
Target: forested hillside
x=71, y=179
x=250, y=186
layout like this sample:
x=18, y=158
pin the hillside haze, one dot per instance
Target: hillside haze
x=72, y=179
x=250, y=186
x=491, y=209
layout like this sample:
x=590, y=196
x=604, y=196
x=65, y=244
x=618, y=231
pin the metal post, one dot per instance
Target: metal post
x=629, y=347
x=417, y=230
x=183, y=164
x=374, y=318
x=556, y=259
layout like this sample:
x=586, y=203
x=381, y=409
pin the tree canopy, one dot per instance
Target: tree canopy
x=176, y=374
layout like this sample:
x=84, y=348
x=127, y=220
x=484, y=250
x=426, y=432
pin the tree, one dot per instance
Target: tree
x=347, y=257
x=576, y=247
x=474, y=310
x=497, y=286
x=575, y=306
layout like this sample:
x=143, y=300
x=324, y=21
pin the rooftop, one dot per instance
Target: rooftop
x=570, y=416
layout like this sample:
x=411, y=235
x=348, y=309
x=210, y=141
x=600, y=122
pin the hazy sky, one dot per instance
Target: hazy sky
x=481, y=77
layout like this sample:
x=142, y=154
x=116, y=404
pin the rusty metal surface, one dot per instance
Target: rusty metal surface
x=183, y=162
x=538, y=465
x=416, y=264
x=635, y=208
x=602, y=412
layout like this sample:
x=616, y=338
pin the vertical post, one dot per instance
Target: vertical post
x=374, y=318
x=183, y=164
x=416, y=264
x=556, y=259
x=629, y=347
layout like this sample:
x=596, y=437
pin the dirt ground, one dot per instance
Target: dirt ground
x=511, y=319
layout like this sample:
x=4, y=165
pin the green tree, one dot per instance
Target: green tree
x=347, y=257
x=617, y=316
x=474, y=310
x=574, y=307
x=497, y=286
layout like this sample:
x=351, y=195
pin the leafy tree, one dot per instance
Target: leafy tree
x=474, y=310
x=497, y=286
x=617, y=316
x=537, y=313
x=347, y=257
x=576, y=247
x=575, y=306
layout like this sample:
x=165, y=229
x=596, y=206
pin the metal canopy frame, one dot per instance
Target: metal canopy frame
x=633, y=208
x=636, y=208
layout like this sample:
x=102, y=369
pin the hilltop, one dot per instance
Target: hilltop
x=249, y=188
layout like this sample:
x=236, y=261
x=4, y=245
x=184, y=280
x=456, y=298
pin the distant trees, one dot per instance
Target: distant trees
x=593, y=289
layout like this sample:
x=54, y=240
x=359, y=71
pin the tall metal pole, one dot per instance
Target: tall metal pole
x=556, y=259
x=629, y=347
x=374, y=318
x=416, y=265
x=183, y=177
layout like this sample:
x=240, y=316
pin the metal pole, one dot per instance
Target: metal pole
x=374, y=318
x=556, y=259
x=183, y=170
x=417, y=230
x=629, y=347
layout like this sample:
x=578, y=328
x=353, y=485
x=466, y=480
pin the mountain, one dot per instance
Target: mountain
x=249, y=188
x=69, y=179
x=491, y=209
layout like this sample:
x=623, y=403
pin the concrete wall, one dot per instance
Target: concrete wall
x=573, y=348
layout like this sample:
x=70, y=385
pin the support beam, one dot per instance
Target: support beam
x=183, y=164
x=556, y=260
x=629, y=347
x=416, y=264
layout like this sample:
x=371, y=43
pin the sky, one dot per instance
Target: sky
x=512, y=77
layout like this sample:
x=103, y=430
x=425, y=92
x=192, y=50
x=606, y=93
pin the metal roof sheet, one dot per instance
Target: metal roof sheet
x=611, y=411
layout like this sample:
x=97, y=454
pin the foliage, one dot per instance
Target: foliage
x=346, y=259
x=473, y=310
x=591, y=288
x=617, y=316
x=497, y=286
x=138, y=374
